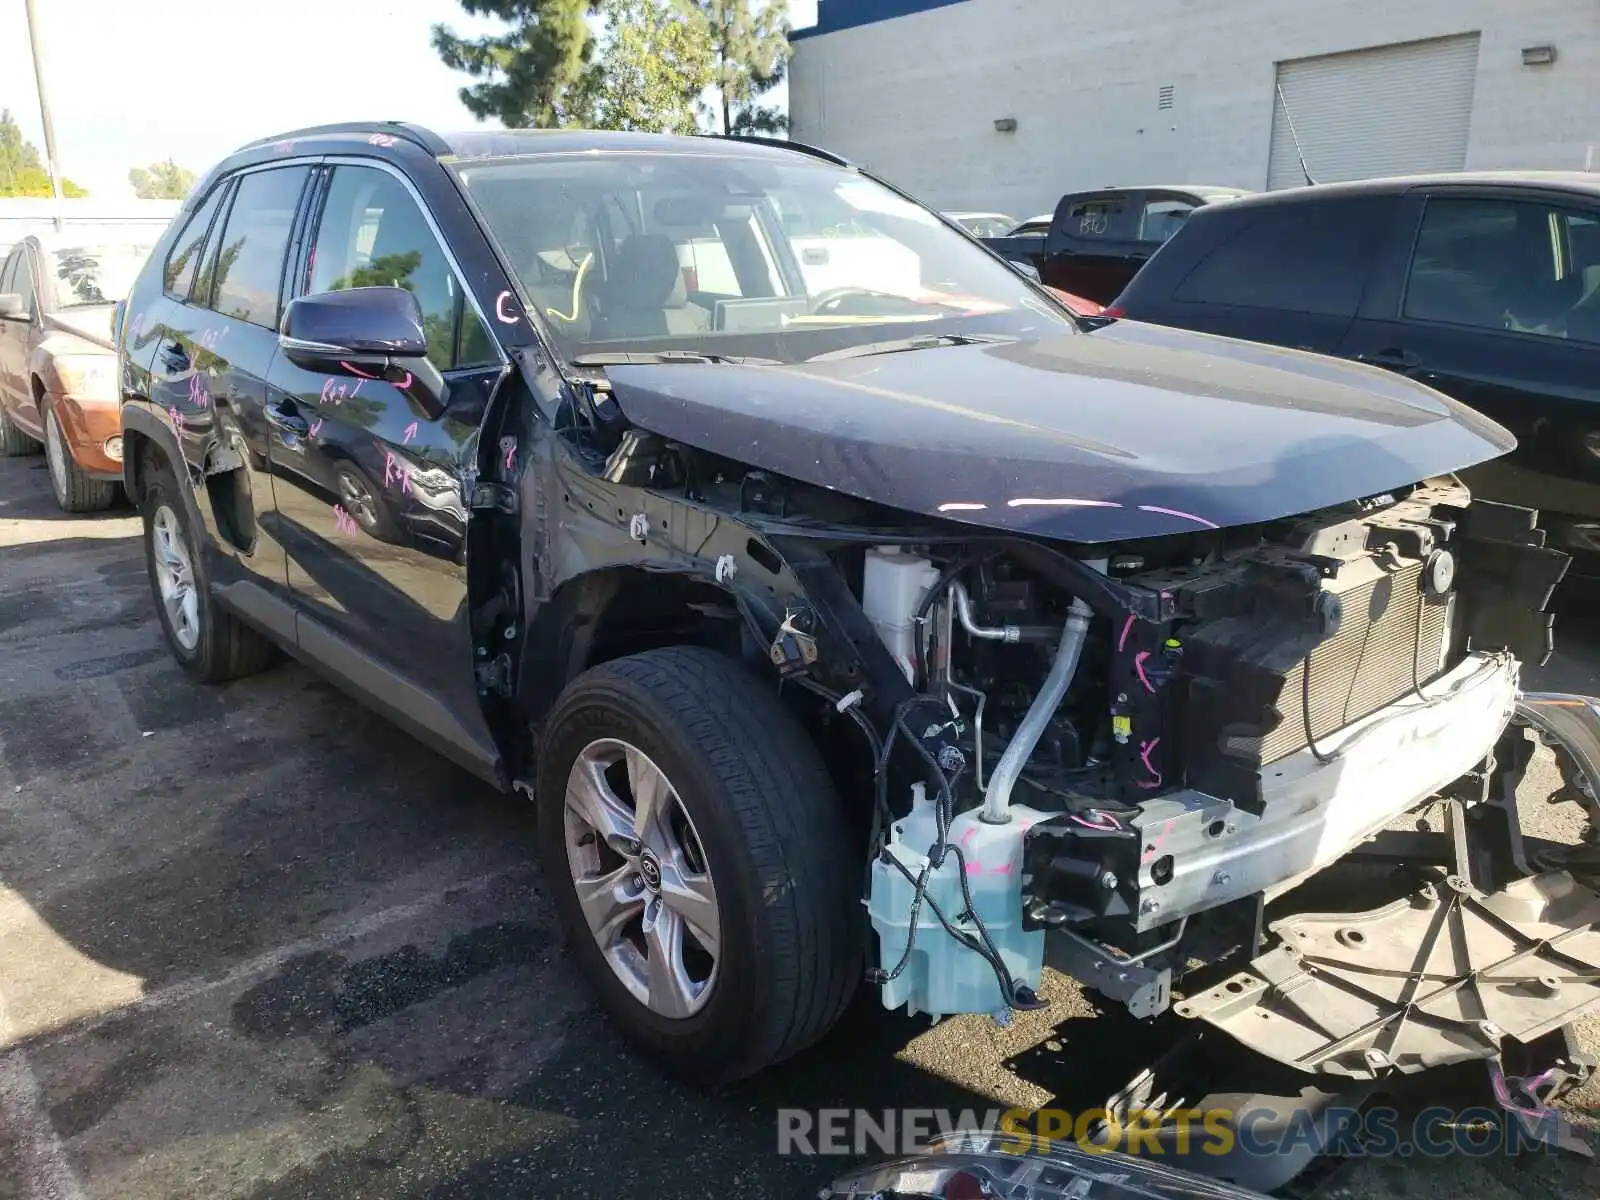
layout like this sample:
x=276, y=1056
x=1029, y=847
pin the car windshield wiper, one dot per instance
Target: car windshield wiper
x=622, y=358
x=923, y=341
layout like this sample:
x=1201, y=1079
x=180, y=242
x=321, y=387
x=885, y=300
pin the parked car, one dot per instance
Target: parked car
x=1096, y=241
x=983, y=224
x=1485, y=286
x=732, y=561
x=57, y=360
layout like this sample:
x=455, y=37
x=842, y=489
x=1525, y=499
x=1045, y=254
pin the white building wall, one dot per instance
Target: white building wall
x=915, y=98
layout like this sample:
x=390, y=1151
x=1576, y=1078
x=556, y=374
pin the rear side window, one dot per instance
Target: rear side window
x=178, y=275
x=1160, y=219
x=249, y=267
x=1306, y=258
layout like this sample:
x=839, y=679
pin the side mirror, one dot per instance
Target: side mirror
x=1025, y=269
x=368, y=333
x=12, y=308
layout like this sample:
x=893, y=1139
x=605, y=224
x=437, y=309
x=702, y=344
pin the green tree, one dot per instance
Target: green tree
x=751, y=45
x=657, y=61
x=22, y=172
x=161, y=181
x=539, y=73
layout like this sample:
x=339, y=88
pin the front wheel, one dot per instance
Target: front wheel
x=75, y=491
x=701, y=861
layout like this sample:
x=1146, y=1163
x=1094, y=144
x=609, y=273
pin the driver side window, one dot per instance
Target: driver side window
x=372, y=234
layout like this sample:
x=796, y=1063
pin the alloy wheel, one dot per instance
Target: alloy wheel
x=641, y=877
x=358, y=501
x=55, y=453
x=175, y=577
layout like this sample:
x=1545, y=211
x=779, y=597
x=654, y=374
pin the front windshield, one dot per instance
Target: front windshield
x=96, y=274
x=739, y=255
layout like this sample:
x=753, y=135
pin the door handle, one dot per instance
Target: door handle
x=287, y=420
x=1392, y=357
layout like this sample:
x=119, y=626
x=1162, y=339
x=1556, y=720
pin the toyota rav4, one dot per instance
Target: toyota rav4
x=847, y=615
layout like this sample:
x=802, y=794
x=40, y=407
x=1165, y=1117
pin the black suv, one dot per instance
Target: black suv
x=796, y=571
x=1485, y=286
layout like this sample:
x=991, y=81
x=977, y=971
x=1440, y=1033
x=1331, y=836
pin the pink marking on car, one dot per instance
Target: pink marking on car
x=355, y=370
x=506, y=318
x=1127, y=628
x=511, y=454
x=1138, y=667
x=316, y=425
x=1174, y=512
x=1145, y=749
x=1165, y=829
x=411, y=432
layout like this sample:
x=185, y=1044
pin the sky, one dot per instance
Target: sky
x=135, y=83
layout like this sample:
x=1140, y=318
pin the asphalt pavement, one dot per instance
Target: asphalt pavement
x=254, y=942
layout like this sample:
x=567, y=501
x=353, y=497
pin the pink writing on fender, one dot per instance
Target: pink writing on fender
x=177, y=420
x=343, y=522
x=198, y=396
x=315, y=426
x=411, y=432
x=500, y=302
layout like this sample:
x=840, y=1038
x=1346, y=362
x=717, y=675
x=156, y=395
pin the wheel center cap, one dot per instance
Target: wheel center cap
x=650, y=870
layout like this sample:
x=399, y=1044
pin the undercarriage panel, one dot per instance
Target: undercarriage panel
x=1442, y=976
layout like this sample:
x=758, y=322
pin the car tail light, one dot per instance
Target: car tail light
x=1116, y=312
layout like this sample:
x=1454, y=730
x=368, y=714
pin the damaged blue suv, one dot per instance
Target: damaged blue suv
x=849, y=610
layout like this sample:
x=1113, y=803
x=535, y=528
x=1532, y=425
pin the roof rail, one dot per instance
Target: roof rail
x=786, y=144
x=405, y=130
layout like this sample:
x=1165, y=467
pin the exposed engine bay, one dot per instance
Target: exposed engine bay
x=1117, y=745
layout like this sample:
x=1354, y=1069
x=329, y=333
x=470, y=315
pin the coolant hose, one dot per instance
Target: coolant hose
x=997, y=799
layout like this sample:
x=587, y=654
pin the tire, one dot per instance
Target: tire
x=13, y=442
x=209, y=642
x=773, y=840
x=75, y=491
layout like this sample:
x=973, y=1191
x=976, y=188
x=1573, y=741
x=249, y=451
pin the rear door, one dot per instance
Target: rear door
x=1292, y=274
x=372, y=491
x=1498, y=305
x=1094, y=237
x=16, y=338
x=10, y=341
x=216, y=338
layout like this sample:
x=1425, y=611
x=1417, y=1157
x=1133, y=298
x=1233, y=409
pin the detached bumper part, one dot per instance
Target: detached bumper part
x=983, y=1166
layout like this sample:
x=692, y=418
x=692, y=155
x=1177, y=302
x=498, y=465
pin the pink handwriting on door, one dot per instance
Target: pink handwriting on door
x=411, y=432
x=394, y=473
x=336, y=391
x=506, y=316
x=342, y=521
x=198, y=395
x=177, y=420
x=315, y=426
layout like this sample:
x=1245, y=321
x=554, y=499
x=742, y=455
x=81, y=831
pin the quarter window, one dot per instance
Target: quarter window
x=1163, y=218
x=1303, y=258
x=373, y=234
x=178, y=275
x=1507, y=265
x=250, y=255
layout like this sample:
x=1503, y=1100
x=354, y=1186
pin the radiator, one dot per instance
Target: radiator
x=1364, y=666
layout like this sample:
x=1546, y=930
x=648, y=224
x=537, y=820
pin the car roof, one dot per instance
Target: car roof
x=1205, y=191
x=1576, y=181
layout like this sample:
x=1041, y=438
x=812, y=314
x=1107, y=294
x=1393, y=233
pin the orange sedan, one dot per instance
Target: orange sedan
x=58, y=371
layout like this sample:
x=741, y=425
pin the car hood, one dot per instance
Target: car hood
x=92, y=323
x=1130, y=431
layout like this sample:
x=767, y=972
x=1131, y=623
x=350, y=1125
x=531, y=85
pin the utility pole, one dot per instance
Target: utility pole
x=44, y=115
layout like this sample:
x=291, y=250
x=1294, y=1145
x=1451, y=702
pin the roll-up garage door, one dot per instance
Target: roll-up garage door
x=1388, y=110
